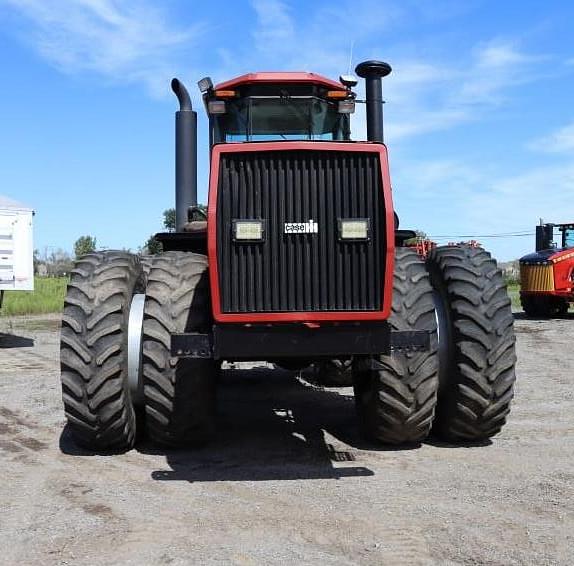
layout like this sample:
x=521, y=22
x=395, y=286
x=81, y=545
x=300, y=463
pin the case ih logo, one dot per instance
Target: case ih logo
x=310, y=227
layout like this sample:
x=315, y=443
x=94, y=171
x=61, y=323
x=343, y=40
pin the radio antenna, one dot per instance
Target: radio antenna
x=351, y=57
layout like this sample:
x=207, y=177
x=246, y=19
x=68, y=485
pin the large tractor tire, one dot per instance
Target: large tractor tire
x=396, y=394
x=543, y=306
x=476, y=343
x=179, y=392
x=94, y=350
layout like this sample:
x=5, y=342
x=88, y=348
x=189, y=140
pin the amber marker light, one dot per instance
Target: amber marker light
x=337, y=94
x=225, y=93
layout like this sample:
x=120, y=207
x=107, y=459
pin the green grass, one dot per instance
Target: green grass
x=514, y=293
x=49, y=293
x=47, y=297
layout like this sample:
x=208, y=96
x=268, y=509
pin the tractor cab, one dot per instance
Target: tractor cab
x=567, y=235
x=289, y=106
x=545, y=236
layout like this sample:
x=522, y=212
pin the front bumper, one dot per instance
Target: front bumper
x=267, y=342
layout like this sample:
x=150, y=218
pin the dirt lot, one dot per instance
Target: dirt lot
x=289, y=480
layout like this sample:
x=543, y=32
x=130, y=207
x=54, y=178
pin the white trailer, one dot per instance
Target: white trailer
x=16, y=246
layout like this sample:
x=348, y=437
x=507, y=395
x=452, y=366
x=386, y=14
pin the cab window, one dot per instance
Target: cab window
x=568, y=237
x=276, y=118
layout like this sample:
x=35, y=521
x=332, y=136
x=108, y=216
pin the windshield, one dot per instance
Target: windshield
x=273, y=118
x=567, y=236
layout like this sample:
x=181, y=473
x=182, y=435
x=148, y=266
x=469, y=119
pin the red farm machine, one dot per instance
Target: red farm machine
x=547, y=275
x=299, y=260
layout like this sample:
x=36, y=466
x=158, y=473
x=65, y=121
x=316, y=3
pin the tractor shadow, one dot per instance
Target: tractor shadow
x=271, y=427
x=14, y=341
x=437, y=442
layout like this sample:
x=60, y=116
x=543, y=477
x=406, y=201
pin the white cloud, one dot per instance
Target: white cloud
x=276, y=26
x=127, y=41
x=497, y=66
x=535, y=185
x=560, y=141
x=499, y=54
x=438, y=178
x=428, y=97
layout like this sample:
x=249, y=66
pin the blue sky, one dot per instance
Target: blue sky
x=479, y=113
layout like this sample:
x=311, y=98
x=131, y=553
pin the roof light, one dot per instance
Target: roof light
x=205, y=85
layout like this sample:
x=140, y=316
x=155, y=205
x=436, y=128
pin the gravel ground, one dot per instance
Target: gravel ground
x=289, y=480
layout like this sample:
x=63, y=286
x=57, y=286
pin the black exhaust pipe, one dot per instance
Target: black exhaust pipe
x=185, y=155
x=544, y=236
x=373, y=72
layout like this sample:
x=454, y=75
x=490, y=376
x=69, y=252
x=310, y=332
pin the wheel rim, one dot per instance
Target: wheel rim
x=135, y=332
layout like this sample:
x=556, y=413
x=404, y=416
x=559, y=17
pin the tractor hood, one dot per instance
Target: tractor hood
x=544, y=257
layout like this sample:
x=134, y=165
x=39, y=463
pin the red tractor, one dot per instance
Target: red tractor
x=299, y=261
x=547, y=275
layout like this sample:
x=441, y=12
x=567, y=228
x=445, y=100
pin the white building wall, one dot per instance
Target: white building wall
x=16, y=250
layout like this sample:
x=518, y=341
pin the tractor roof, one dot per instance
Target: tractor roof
x=280, y=77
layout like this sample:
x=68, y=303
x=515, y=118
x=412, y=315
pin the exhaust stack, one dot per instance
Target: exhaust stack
x=544, y=236
x=185, y=155
x=373, y=72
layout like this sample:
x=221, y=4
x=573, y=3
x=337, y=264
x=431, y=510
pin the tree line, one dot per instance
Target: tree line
x=59, y=262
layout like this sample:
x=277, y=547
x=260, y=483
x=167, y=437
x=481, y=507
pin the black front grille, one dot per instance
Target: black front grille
x=300, y=272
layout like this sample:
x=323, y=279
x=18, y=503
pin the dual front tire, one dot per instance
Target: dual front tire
x=462, y=387
x=99, y=400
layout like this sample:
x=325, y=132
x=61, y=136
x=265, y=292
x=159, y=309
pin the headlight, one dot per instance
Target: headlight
x=346, y=107
x=248, y=230
x=354, y=229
